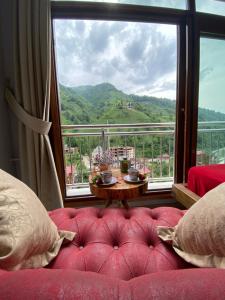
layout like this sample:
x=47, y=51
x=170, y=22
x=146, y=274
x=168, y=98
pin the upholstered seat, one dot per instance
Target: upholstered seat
x=117, y=242
x=116, y=255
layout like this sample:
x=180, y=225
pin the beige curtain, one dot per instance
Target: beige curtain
x=30, y=99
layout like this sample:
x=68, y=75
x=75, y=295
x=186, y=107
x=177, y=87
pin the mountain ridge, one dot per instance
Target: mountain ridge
x=104, y=103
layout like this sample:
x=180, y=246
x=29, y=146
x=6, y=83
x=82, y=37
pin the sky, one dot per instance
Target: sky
x=137, y=58
x=209, y=6
x=181, y=4
x=212, y=74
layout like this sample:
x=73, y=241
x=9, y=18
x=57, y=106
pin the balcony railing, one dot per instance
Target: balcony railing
x=149, y=147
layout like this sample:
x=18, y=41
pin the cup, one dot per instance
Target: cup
x=106, y=176
x=133, y=174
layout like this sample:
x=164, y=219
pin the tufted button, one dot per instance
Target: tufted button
x=116, y=247
x=153, y=216
x=81, y=247
x=151, y=247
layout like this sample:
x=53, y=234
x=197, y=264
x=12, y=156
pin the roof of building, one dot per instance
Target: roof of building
x=70, y=170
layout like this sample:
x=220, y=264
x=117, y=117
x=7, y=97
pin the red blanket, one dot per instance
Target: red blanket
x=205, y=178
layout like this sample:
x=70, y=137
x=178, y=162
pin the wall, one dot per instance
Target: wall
x=7, y=151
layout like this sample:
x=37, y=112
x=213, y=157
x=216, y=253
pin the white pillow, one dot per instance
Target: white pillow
x=28, y=237
x=199, y=237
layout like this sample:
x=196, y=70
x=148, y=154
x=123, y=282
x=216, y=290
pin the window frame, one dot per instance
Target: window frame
x=203, y=25
x=191, y=25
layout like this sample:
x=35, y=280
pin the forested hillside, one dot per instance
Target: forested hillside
x=104, y=103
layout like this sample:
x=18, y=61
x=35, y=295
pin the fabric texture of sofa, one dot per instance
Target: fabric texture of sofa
x=116, y=254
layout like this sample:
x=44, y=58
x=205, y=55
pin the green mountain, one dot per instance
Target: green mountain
x=104, y=103
x=75, y=109
x=101, y=93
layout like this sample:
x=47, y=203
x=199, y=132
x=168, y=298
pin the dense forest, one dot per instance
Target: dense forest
x=104, y=103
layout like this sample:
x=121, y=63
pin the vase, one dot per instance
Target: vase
x=103, y=167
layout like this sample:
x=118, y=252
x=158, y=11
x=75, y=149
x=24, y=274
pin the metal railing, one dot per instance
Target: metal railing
x=149, y=146
x=211, y=143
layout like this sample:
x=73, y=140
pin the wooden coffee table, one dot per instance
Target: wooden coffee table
x=121, y=191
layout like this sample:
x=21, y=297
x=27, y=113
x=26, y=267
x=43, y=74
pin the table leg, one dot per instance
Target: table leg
x=108, y=203
x=125, y=204
x=121, y=203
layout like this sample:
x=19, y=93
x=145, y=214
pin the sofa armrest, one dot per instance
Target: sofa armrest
x=186, y=284
x=47, y=284
x=184, y=195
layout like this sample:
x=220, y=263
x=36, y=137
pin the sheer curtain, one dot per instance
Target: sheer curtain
x=29, y=98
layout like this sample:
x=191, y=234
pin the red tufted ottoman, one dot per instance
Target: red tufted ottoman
x=115, y=255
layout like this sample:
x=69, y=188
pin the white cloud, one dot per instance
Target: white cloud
x=135, y=57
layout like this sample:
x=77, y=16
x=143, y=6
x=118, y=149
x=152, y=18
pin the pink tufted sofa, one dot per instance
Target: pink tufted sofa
x=115, y=255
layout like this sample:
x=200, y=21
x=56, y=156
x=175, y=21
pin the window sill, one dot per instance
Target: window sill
x=74, y=192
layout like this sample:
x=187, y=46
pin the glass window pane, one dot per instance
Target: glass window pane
x=136, y=58
x=112, y=72
x=211, y=119
x=216, y=7
x=178, y=4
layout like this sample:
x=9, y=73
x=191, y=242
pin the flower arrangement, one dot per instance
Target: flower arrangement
x=104, y=157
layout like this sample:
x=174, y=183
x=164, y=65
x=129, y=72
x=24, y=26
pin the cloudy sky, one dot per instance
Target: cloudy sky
x=212, y=74
x=181, y=4
x=137, y=58
x=210, y=6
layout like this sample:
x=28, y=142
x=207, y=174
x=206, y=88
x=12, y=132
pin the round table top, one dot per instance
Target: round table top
x=120, y=190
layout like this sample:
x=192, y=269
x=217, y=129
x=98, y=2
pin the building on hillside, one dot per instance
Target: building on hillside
x=124, y=105
x=118, y=153
x=121, y=152
x=164, y=157
x=202, y=157
x=70, y=150
x=70, y=174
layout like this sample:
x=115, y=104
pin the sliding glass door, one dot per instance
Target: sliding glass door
x=211, y=112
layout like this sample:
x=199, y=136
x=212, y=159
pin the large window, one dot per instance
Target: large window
x=150, y=81
x=113, y=73
x=211, y=113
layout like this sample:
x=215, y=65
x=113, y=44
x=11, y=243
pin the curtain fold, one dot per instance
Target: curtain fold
x=38, y=125
x=32, y=61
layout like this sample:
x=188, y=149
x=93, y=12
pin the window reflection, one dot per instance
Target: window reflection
x=216, y=7
x=178, y=4
x=211, y=113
